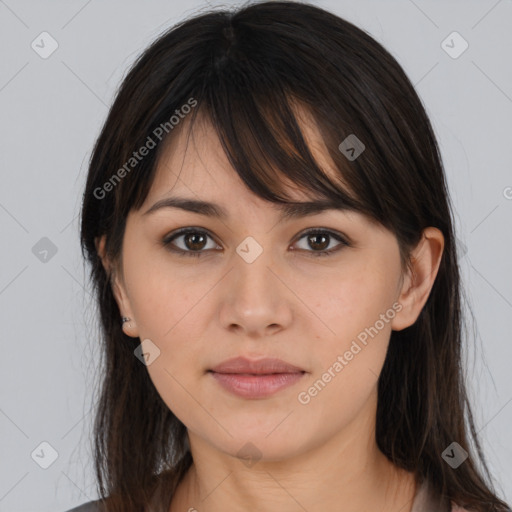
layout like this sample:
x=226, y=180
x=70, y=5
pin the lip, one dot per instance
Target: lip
x=255, y=366
x=253, y=379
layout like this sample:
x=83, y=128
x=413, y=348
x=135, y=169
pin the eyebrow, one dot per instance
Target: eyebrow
x=288, y=211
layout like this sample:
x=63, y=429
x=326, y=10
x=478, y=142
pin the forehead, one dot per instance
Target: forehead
x=193, y=161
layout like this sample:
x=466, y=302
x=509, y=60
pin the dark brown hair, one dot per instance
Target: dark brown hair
x=245, y=70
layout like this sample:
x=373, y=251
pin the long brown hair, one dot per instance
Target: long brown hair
x=245, y=70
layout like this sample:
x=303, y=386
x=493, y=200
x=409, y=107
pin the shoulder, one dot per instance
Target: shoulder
x=427, y=500
x=90, y=506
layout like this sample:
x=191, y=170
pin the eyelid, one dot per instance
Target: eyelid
x=184, y=231
x=341, y=237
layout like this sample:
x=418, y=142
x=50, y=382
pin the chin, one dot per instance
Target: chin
x=252, y=445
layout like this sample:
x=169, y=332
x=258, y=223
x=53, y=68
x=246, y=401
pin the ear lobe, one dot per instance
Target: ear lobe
x=417, y=284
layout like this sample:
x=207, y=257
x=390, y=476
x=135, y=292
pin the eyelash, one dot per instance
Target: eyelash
x=313, y=231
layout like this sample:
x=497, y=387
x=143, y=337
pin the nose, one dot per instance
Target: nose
x=256, y=302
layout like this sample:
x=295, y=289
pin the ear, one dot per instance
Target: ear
x=118, y=289
x=420, y=277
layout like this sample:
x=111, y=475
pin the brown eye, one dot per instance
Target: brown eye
x=193, y=242
x=320, y=240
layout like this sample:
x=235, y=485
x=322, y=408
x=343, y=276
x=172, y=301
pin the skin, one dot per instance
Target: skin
x=287, y=304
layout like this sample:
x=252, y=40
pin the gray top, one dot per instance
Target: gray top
x=90, y=506
x=424, y=501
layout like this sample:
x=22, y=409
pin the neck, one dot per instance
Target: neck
x=348, y=473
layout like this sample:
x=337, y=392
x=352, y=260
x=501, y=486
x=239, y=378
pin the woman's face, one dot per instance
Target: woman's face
x=251, y=285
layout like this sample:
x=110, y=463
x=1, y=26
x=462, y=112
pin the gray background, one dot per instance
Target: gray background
x=51, y=112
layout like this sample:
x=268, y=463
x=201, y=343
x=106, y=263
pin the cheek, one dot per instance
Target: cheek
x=350, y=363
x=358, y=310
x=162, y=294
x=354, y=301
x=166, y=306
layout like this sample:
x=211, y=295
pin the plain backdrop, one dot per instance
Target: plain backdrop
x=51, y=112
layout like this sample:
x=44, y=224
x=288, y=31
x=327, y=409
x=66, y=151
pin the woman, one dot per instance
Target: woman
x=268, y=225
